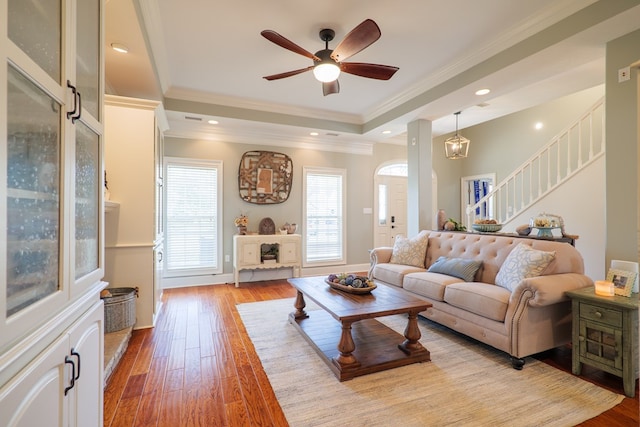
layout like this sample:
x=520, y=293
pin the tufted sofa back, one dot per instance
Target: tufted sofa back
x=493, y=250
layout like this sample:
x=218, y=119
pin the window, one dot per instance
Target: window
x=193, y=195
x=324, y=213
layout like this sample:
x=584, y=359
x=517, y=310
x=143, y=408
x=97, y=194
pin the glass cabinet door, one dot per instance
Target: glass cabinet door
x=88, y=55
x=88, y=184
x=34, y=26
x=33, y=193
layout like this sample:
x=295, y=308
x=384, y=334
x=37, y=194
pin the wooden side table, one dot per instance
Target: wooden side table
x=605, y=334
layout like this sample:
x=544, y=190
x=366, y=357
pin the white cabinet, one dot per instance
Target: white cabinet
x=259, y=251
x=62, y=386
x=133, y=232
x=51, y=216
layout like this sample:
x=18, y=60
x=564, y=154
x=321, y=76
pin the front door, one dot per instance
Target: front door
x=391, y=218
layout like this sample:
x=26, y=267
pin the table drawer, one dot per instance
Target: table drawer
x=603, y=315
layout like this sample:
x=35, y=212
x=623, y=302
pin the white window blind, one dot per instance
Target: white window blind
x=324, y=216
x=193, y=194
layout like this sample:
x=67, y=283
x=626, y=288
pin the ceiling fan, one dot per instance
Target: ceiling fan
x=329, y=63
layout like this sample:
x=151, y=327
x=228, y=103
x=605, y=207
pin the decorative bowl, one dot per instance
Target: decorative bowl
x=487, y=228
x=334, y=281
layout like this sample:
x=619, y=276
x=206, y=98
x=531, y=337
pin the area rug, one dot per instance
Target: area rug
x=466, y=383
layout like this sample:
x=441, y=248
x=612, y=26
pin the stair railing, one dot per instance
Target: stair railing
x=563, y=156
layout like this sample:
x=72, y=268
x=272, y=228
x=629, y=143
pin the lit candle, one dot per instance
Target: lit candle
x=604, y=288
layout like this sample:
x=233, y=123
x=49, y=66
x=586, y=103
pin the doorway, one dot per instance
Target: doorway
x=474, y=188
x=390, y=201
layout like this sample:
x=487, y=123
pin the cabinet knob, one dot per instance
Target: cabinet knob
x=581, y=338
x=598, y=314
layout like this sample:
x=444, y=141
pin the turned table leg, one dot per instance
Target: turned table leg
x=412, y=335
x=346, y=359
x=299, y=305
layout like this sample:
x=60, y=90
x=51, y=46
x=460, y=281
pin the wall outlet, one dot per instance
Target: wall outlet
x=227, y=258
x=624, y=74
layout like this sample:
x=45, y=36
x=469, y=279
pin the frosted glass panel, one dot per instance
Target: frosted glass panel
x=33, y=196
x=34, y=26
x=88, y=55
x=87, y=187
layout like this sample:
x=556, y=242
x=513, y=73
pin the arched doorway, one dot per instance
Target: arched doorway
x=390, y=201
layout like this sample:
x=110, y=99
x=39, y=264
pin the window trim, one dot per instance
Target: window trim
x=217, y=164
x=306, y=170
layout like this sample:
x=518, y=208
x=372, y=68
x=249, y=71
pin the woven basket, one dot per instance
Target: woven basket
x=119, y=309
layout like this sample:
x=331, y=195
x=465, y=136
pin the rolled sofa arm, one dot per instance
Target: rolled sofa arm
x=379, y=255
x=551, y=289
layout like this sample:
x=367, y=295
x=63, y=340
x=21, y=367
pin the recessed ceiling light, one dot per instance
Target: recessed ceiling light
x=538, y=125
x=212, y=122
x=483, y=91
x=313, y=133
x=386, y=132
x=118, y=47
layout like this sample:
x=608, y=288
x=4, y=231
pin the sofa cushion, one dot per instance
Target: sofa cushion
x=462, y=268
x=523, y=262
x=410, y=251
x=393, y=274
x=430, y=285
x=483, y=299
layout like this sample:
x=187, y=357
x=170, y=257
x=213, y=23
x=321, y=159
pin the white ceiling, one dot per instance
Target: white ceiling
x=206, y=59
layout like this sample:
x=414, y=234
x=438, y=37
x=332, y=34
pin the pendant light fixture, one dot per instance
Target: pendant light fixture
x=457, y=146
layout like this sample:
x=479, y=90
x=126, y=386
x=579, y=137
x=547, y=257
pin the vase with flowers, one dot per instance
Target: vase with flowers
x=241, y=223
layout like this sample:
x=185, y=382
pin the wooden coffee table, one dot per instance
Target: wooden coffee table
x=346, y=334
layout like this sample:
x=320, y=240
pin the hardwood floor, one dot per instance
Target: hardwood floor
x=198, y=367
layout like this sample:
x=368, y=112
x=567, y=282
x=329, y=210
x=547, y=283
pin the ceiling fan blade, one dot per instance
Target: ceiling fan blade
x=287, y=74
x=372, y=71
x=331, y=87
x=360, y=37
x=281, y=41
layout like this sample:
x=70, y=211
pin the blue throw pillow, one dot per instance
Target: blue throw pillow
x=461, y=268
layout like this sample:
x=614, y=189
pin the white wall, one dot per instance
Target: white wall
x=580, y=204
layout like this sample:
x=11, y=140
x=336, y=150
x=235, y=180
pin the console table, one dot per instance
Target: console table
x=259, y=251
x=605, y=334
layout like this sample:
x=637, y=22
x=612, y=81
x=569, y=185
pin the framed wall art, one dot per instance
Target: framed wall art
x=264, y=177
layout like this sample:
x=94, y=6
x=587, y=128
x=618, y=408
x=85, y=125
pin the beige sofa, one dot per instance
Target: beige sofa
x=533, y=317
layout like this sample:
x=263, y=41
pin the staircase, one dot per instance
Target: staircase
x=576, y=147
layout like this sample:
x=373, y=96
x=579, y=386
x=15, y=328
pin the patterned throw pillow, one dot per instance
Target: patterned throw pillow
x=410, y=251
x=461, y=268
x=521, y=263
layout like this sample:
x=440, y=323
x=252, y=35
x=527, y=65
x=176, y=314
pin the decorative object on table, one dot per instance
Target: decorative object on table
x=622, y=281
x=457, y=146
x=523, y=230
x=241, y=223
x=289, y=228
x=351, y=283
x=267, y=226
x=453, y=225
x=604, y=288
x=264, y=177
x=486, y=225
x=546, y=222
x=441, y=219
x=628, y=266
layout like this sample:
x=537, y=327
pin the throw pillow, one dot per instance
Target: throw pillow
x=410, y=251
x=523, y=262
x=461, y=268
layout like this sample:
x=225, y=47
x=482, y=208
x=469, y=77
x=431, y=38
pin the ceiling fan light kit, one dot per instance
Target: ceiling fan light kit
x=328, y=64
x=457, y=146
x=326, y=70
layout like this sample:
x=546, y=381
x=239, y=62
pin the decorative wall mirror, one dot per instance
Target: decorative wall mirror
x=264, y=177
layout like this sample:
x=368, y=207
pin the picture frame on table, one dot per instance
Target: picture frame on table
x=622, y=281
